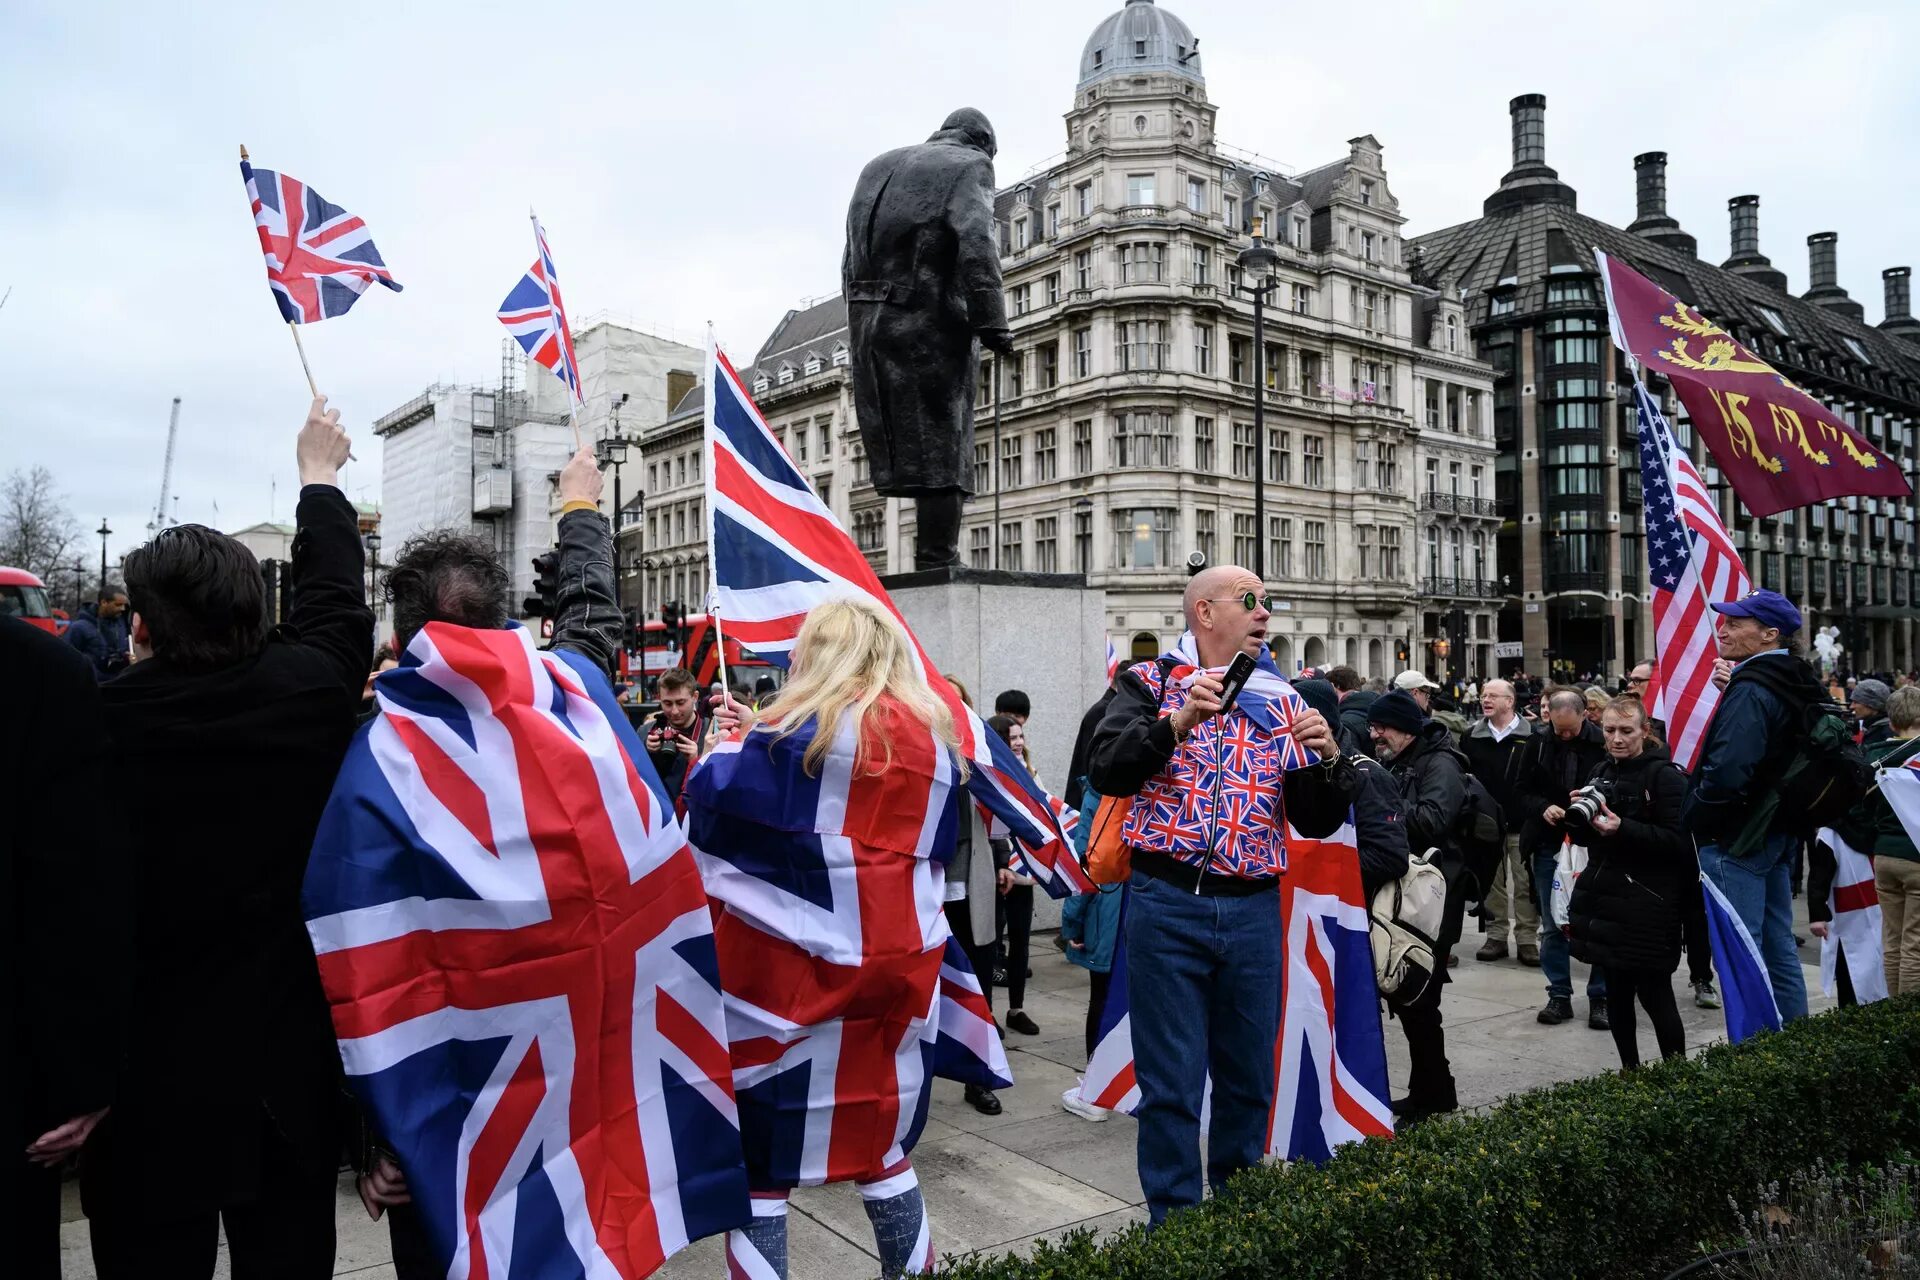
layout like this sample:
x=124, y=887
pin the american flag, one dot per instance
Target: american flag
x=1330, y=1055
x=520, y=957
x=844, y=989
x=537, y=318
x=320, y=258
x=1691, y=564
x=778, y=551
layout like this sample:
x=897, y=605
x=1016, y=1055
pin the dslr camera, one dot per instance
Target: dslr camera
x=1585, y=803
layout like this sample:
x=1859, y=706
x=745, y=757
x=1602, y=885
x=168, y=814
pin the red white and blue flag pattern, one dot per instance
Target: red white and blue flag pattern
x=1746, y=991
x=1113, y=660
x=1900, y=784
x=520, y=958
x=1330, y=1053
x=845, y=991
x=778, y=551
x=1853, y=902
x=320, y=258
x=1691, y=565
x=1330, y=1058
x=534, y=313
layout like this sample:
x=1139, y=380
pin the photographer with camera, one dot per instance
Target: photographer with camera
x=675, y=733
x=1627, y=905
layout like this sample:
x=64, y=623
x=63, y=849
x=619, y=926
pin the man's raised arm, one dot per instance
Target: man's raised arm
x=587, y=614
x=329, y=613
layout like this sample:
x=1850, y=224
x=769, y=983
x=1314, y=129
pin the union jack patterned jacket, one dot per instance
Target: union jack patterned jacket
x=1216, y=801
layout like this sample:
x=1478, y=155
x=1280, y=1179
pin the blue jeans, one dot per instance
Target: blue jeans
x=1555, y=960
x=1203, y=978
x=1760, y=890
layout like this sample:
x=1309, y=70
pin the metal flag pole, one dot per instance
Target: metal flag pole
x=566, y=339
x=707, y=447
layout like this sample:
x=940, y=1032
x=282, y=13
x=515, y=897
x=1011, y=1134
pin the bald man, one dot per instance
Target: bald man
x=1203, y=927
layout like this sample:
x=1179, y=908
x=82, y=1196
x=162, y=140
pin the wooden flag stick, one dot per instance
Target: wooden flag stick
x=305, y=368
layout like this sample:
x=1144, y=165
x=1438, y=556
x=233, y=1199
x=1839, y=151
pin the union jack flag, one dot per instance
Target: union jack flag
x=1330, y=1055
x=1691, y=564
x=320, y=258
x=537, y=318
x=844, y=988
x=1113, y=659
x=1330, y=1061
x=778, y=551
x=520, y=959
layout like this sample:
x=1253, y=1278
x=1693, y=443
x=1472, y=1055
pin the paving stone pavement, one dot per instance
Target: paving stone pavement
x=1000, y=1183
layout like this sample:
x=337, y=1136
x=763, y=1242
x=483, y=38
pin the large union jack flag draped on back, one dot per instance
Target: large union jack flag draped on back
x=1691, y=564
x=778, y=551
x=1330, y=1056
x=320, y=258
x=537, y=318
x=520, y=959
x=845, y=991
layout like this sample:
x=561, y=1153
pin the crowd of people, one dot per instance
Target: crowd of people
x=170, y=1029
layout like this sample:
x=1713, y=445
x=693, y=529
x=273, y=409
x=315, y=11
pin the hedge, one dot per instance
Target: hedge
x=1623, y=1174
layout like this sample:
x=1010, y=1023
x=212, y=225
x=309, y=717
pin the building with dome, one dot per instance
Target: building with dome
x=1127, y=439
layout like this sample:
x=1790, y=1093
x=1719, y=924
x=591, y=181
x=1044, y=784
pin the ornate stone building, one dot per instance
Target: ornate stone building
x=1572, y=534
x=1126, y=439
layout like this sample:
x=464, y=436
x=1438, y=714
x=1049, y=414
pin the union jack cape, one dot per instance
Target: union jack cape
x=534, y=313
x=320, y=258
x=778, y=551
x=844, y=989
x=519, y=956
x=1330, y=1054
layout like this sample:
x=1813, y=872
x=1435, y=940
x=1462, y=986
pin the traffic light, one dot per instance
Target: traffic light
x=546, y=583
x=1400, y=652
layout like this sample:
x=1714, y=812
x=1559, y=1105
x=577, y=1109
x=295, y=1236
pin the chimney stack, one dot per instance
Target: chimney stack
x=1823, y=271
x=1650, y=199
x=1530, y=181
x=1900, y=322
x=1747, y=260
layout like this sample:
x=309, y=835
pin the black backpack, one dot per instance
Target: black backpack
x=1817, y=781
x=1480, y=835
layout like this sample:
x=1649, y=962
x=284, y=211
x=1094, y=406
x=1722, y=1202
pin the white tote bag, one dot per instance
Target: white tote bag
x=1567, y=866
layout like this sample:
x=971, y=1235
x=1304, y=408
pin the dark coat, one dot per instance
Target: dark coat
x=230, y=1047
x=1379, y=826
x=1554, y=768
x=669, y=762
x=1628, y=904
x=102, y=641
x=1749, y=740
x=1433, y=789
x=63, y=894
x=922, y=280
x=1498, y=763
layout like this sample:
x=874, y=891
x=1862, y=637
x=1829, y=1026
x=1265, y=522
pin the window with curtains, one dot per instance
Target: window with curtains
x=1243, y=532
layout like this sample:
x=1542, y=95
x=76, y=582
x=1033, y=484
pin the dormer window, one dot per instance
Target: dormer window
x=813, y=365
x=786, y=374
x=760, y=383
x=1098, y=58
x=1366, y=192
x=1139, y=48
x=1857, y=349
x=1772, y=317
x=839, y=356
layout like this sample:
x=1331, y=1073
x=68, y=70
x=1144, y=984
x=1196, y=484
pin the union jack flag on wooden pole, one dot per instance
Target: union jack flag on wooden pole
x=320, y=258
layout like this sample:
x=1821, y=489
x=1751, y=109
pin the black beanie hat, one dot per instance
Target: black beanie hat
x=1396, y=709
x=1321, y=696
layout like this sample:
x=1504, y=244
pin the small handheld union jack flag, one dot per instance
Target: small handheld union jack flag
x=537, y=318
x=320, y=258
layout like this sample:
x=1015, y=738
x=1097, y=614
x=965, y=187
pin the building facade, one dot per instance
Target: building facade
x=1125, y=440
x=1568, y=485
x=488, y=459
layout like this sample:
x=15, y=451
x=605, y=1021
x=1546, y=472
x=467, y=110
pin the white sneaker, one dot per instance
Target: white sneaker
x=1079, y=1106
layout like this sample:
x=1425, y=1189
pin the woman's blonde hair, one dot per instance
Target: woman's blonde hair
x=849, y=653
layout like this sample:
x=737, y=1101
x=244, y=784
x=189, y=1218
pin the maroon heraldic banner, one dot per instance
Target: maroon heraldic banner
x=1777, y=445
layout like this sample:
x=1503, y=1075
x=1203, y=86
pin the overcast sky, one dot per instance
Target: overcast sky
x=692, y=162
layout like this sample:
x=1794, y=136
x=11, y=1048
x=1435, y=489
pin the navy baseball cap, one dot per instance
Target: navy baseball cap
x=1768, y=608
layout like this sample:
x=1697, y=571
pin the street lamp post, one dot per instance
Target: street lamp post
x=103, y=531
x=372, y=541
x=612, y=449
x=1257, y=262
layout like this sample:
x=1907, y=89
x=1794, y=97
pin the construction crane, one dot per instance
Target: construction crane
x=159, y=520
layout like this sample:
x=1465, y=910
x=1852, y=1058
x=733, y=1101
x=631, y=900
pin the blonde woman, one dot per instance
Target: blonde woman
x=822, y=824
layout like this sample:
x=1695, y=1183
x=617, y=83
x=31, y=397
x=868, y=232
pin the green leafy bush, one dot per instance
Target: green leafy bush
x=1616, y=1175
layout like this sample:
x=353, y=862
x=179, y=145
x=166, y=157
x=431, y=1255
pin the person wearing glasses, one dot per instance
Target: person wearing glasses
x=1210, y=808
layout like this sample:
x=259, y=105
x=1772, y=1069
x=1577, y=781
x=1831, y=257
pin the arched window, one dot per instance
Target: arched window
x=1146, y=646
x=1282, y=647
x=1453, y=333
x=1315, y=653
x=1353, y=654
x=1376, y=659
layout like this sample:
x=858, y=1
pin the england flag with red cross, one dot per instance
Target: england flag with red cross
x=519, y=956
